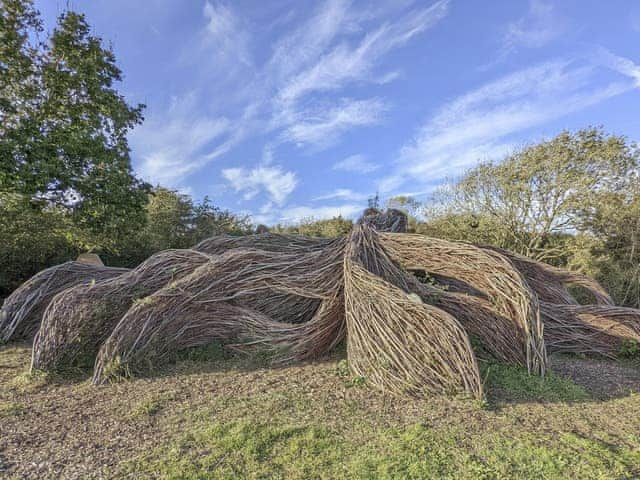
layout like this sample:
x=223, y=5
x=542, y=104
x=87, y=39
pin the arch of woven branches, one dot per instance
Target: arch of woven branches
x=297, y=298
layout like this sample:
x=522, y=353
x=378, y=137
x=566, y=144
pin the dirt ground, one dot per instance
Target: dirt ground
x=52, y=428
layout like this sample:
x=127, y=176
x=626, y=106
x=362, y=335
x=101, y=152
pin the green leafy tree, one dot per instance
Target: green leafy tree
x=209, y=220
x=168, y=220
x=174, y=220
x=31, y=239
x=20, y=57
x=612, y=253
x=64, y=134
x=541, y=192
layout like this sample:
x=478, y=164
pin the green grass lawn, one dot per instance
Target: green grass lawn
x=211, y=416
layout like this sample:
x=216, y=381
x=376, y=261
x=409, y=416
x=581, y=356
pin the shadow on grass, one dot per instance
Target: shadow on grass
x=215, y=357
x=506, y=383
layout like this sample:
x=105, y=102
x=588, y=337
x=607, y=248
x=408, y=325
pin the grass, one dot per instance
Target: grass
x=246, y=449
x=512, y=383
x=29, y=381
x=216, y=416
x=11, y=409
x=267, y=446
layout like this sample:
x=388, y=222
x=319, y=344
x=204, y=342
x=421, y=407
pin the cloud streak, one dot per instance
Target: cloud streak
x=481, y=123
x=322, y=128
x=338, y=45
x=357, y=164
x=272, y=180
x=346, y=64
x=176, y=144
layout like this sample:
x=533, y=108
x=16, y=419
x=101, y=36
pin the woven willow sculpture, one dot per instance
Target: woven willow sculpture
x=297, y=298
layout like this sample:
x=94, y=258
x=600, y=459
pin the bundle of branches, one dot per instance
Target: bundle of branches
x=499, y=335
x=590, y=329
x=297, y=297
x=21, y=313
x=79, y=319
x=391, y=220
x=484, y=271
x=550, y=283
x=396, y=341
x=271, y=242
x=227, y=298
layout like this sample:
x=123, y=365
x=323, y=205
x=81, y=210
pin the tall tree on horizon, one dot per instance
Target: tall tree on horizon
x=63, y=124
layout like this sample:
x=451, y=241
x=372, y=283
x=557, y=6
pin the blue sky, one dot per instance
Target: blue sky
x=288, y=109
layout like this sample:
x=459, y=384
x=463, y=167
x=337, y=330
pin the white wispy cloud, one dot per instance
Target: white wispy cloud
x=224, y=32
x=537, y=28
x=356, y=163
x=343, y=194
x=322, y=127
x=622, y=65
x=479, y=124
x=174, y=143
x=301, y=47
x=274, y=180
x=346, y=64
x=337, y=44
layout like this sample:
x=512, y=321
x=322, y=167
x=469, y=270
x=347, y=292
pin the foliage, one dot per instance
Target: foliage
x=63, y=139
x=174, y=220
x=66, y=183
x=629, y=348
x=31, y=239
x=544, y=189
x=615, y=250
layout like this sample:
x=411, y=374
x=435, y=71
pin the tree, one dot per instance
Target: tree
x=208, y=220
x=545, y=190
x=31, y=239
x=64, y=135
x=614, y=245
x=330, y=228
x=173, y=220
x=169, y=217
x=19, y=58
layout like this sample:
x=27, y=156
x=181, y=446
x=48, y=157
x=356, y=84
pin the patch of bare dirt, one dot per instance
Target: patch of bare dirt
x=603, y=379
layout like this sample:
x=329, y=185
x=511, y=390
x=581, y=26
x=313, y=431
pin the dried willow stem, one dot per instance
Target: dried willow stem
x=550, y=283
x=591, y=329
x=227, y=298
x=483, y=271
x=298, y=297
x=21, y=312
x=79, y=319
x=270, y=242
x=399, y=344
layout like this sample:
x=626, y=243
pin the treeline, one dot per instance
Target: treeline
x=33, y=238
x=572, y=201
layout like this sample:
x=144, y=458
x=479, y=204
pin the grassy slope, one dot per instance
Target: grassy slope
x=215, y=417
